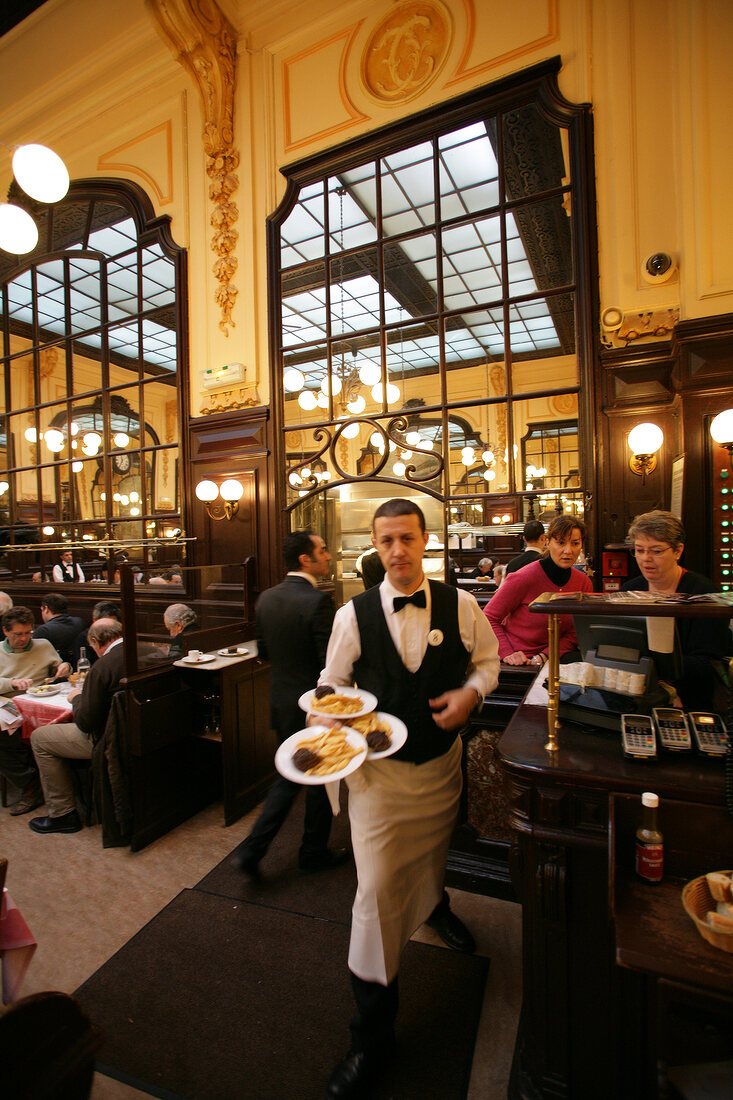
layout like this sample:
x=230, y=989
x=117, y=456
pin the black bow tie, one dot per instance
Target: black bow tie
x=418, y=598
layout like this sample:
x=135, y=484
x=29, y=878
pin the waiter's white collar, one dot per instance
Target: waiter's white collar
x=308, y=577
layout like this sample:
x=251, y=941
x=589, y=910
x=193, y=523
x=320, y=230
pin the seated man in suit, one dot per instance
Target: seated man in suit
x=179, y=619
x=483, y=569
x=58, y=626
x=103, y=609
x=54, y=744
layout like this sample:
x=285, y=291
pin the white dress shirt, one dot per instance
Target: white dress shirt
x=409, y=629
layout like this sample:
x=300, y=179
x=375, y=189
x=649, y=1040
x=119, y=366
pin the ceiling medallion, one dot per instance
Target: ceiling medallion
x=406, y=50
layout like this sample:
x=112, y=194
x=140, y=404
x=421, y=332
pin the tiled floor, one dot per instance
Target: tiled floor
x=83, y=903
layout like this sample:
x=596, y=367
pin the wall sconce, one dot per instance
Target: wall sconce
x=43, y=176
x=230, y=491
x=644, y=442
x=721, y=430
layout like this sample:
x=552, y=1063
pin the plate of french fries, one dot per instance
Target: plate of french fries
x=384, y=733
x=340, y=702
x=320, y=754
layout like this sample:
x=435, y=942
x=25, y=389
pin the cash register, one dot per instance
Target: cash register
x=619, y=673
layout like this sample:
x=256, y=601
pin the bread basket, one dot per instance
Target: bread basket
x=698, y=901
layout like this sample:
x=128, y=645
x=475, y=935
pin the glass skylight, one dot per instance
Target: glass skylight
x=470, y=272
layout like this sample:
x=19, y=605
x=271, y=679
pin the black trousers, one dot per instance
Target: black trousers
x=372, y=1028
x=279, y=802
x=17, y=762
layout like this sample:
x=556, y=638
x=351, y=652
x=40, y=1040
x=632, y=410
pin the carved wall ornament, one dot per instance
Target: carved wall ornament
x=619, y=328
x=205, y=43
x=406, y=50
x=244, y=397
x=48, y=359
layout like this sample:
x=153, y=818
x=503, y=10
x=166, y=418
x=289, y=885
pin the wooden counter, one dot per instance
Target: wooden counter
x=565, y=855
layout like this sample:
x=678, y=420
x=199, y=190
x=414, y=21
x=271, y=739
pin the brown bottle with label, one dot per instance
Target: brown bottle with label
x=649, y=841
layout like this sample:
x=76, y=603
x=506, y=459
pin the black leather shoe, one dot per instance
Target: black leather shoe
x=248, y=865
x=67, y=823
x=351, y=1076
x=452, y=931
x=324, y=861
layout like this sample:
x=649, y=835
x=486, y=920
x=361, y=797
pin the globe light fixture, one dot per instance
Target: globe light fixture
x=40, y=172
x=369, y=374
x=18, y=231
x=54, y=440
x=721, y=430
x=644, y=442
x=231, y=492
x=293, y=380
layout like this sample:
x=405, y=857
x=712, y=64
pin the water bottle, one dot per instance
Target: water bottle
x=82, y=665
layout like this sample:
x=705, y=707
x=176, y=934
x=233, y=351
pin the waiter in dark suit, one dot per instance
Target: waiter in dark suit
x=293, y=625
x=56, y=743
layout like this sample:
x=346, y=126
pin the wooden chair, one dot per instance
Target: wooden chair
x=47, y=1049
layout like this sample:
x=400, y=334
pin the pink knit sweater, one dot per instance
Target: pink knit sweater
x=518, y=628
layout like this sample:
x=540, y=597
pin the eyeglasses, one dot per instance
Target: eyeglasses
x=642, y=551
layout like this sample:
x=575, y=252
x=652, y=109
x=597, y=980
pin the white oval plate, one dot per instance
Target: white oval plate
x=286, y=767
x=199, y=660
x=43, y=691
x=309, y=704
x=240, y=652
x=398, y=736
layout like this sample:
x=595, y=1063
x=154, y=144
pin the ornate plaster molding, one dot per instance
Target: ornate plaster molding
x=205, y=43
x=406, y=50
x=228, y=400
x=622, y=327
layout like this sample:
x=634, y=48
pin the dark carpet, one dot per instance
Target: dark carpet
x=229, y=1000
x=282, y=885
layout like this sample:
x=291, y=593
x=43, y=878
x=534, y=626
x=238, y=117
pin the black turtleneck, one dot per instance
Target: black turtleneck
x=557, y=575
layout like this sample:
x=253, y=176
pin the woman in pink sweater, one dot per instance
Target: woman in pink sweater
x=521, y=633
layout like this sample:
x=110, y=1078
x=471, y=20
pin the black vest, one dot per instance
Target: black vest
x=405, y=694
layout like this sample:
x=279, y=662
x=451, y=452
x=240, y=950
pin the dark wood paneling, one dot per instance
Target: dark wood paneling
x=234, y=445
x=679, y=386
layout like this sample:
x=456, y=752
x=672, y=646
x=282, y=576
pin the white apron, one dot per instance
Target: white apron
x=402, y=816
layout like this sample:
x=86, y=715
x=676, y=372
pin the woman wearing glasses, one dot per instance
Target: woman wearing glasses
x=658, y=539
x=522, y=634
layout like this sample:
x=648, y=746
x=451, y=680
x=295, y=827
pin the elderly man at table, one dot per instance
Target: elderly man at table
x=54, y=744
x=24, y=662
x=179, y=619
x=58, y=625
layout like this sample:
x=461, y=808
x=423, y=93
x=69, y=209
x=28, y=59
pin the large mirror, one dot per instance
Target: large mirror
x=429, y=305
x=90, y=369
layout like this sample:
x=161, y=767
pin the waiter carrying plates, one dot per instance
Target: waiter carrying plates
x=428, y=654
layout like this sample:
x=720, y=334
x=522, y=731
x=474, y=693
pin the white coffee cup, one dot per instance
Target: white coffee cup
x=194, y=654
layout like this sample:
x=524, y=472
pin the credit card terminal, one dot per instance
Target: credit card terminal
x=709, y=731
x=638, y=739
x=672, y=729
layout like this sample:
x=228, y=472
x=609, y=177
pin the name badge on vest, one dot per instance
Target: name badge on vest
x=435, y=637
